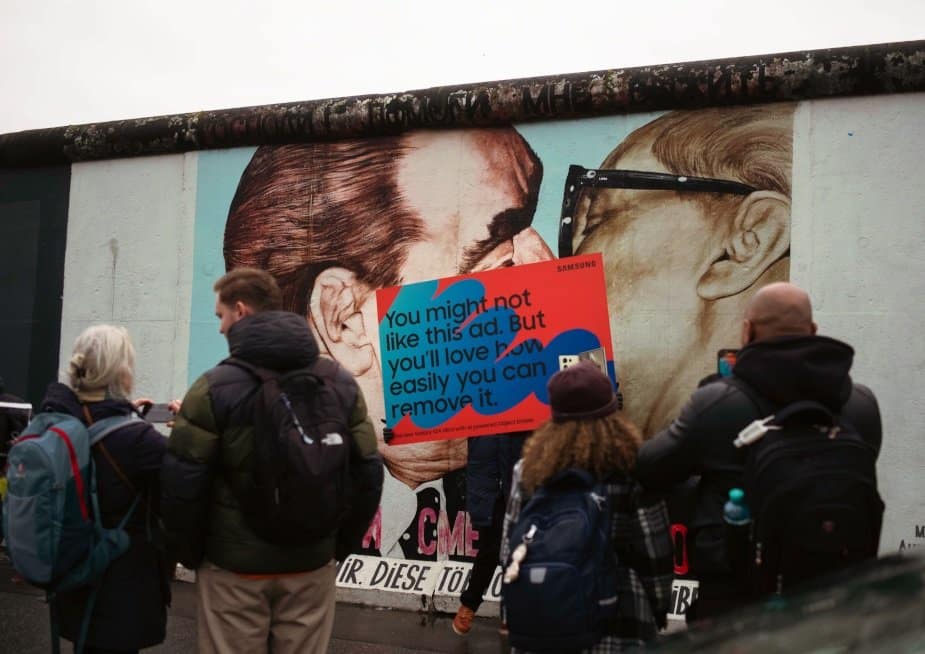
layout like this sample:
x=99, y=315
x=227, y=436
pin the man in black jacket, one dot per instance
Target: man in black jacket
x=782, y=361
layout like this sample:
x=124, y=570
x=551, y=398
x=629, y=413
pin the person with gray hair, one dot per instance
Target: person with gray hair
x=130, y=609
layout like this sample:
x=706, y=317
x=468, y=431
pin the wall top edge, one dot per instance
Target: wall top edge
x=857, y=70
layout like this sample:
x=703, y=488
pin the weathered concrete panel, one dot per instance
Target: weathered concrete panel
x=858, y=246
x=850, y=230
x=128, y=261
x=873, y=69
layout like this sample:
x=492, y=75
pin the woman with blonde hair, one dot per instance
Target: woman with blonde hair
x=129, y=612
x=587, y=432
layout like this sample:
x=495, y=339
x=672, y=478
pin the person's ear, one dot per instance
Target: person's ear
x=335, y=310
x=759, y=237
x=241, y=310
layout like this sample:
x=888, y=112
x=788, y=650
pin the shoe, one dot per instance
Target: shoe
x=462, y=623
x=503, y=631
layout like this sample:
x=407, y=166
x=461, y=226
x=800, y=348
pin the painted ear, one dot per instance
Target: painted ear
x=335, y=308
x=759, y=237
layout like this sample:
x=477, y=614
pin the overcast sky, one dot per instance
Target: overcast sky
x=79, y=61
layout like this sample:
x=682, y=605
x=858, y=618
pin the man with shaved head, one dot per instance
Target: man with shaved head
x=779, y=309
x=782, y=361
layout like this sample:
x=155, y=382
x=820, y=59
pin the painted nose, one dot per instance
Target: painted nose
x=529, y=247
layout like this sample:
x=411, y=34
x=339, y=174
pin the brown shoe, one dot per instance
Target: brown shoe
x=462, y=623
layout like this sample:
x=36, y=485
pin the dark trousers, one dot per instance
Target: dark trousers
x=486, y=561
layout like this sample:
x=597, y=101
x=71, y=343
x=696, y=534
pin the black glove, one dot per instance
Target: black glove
x=387, y=433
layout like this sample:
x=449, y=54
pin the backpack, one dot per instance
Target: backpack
x=302, y=446
x=565, y=591
x=811, y=485
x=51, y=517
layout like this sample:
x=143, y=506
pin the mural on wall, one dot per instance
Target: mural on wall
x=471, y=355
x=690, y=211
x=692, y=214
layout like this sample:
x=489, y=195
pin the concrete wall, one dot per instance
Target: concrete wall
x=858, y=236
x=144, y=246
x=129, y=261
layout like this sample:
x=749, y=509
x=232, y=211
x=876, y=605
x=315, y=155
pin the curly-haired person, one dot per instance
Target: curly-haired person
x=587, y=431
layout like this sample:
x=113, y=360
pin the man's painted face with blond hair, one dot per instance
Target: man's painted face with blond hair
x=681, y=265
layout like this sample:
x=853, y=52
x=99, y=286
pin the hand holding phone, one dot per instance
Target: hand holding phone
x=155, y=412
x=725, y=361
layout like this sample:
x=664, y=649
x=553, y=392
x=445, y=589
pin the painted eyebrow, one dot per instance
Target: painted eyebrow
x=503, y=227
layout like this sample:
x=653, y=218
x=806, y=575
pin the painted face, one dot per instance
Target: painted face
x=656, y=246
x=471, y=191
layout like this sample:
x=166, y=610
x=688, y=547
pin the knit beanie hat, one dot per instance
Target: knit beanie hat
x=579, y=392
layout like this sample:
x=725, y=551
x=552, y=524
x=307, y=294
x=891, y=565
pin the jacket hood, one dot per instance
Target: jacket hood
x=60, y=398
x=790, y=369
x=278, y=340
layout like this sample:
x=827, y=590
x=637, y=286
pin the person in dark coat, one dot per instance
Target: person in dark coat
x=490, y=463
x=782, y=360
x=130, y=609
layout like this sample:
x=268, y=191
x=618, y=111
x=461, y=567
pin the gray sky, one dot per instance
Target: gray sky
x=80, y=61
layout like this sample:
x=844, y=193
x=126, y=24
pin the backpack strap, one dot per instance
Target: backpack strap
x=571, y=477
x=776, y=417
x=764, y=406
x=316, y=369
x=103, y=428
x=785, y=413
x=263, y=374
x=98, y=431
x=806, y=408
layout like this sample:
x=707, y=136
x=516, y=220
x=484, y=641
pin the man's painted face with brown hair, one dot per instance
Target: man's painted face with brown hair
x=474, y=192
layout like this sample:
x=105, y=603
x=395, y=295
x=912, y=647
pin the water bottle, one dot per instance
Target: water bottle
x=735, y=511
x=738, y=519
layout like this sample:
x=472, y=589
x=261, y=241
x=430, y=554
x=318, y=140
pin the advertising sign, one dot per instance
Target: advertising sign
x=470, y=355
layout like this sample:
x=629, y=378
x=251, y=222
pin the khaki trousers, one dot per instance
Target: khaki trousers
x=287, y=614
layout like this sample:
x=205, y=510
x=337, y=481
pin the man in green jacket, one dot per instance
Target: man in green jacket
x=253, y=594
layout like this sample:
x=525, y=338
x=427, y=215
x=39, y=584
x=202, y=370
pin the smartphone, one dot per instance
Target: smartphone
x=725, y=361
x=157, y=413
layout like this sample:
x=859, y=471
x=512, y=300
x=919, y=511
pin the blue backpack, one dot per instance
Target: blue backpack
x=51, y=515
x=566, y=591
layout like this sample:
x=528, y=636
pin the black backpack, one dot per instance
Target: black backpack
x=811, y=484
x=565, y=591
x=302, y=446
